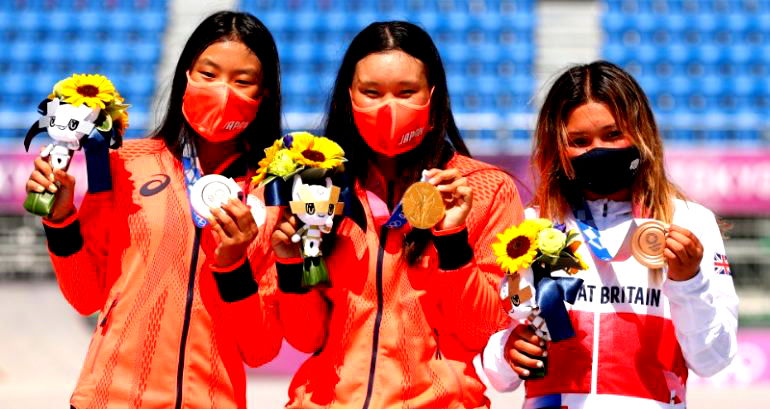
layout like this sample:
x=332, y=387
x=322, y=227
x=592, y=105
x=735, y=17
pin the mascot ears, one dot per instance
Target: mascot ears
x=36, y=129
x=112, y=137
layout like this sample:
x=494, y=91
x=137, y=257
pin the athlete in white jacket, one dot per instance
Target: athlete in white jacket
x=638, y=331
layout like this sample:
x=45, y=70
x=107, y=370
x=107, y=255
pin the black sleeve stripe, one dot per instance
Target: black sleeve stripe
x=238, y=284
x=290, y=278
x=453, y=250
x=64, y=241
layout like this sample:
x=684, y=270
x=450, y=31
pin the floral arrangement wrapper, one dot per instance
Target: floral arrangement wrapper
x=530, y=254
x=307, y=160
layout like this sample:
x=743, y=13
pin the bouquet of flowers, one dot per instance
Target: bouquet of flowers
x=78, y=106
x=305, y=158
x=300, y=153
x=530, y=254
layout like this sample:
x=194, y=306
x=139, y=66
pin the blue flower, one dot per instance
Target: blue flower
x=287, y=141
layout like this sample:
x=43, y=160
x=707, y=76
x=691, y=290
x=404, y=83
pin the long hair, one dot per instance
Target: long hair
x=608, y=84
x=221, y=26
x=439, y=144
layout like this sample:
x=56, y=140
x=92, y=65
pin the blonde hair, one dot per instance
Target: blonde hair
x=608, y=84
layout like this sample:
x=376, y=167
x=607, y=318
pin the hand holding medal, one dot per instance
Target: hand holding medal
x=442, y=200
x=683, y=252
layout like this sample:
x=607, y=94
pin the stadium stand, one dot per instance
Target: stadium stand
x=703, y=63
x=487, y=48
x=47, y=40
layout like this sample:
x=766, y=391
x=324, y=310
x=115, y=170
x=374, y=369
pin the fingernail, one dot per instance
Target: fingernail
x=52, y=188
x=526, y=372
x=542, y=343
x=39, y=189
x=539, y=364
x=433, y=181
x=51, y=177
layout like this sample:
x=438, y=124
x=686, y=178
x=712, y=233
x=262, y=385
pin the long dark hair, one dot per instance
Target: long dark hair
x=243, y=27
x=439, y=144
x=608, y=84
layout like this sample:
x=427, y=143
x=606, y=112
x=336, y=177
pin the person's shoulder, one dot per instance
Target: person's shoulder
x=478, y=171
x=136, y=148
x=489, y=182
x=689, y=210
x=695, y=217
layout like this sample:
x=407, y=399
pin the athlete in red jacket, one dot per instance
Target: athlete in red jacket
x=406, y=309
x=178, y=301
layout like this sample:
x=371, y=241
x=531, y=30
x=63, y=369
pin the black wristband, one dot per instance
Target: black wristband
x=64, y=241
x=453, y=250
x=290, y=278
x=238, y=284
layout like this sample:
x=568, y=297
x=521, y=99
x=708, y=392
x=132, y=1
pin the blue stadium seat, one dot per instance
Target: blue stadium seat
x=486, y=47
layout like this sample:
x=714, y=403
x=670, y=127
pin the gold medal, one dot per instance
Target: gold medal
x=422, y=205
x=648, y=243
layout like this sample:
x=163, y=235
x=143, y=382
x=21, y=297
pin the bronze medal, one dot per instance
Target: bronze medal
x=648, y=243
x=422, y=205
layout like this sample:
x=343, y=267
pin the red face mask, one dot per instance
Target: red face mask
x=217, y=111
x=393, y=126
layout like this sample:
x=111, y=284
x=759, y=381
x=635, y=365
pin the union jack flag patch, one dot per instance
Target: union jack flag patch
x=721, y=266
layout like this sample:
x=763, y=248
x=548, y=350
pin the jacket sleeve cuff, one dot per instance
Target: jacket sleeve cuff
x=290, y=276
x=236, y=284
x=64, y=238
x=496, y=368
x=681, y=291
x=453, y=249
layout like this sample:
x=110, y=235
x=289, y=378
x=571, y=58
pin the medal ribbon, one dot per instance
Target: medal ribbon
x=587, y=225
x=192, y=173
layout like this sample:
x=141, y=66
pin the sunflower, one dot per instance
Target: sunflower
x=316, y=151
x=93, y=90
x=265, y=162
x=517, y=246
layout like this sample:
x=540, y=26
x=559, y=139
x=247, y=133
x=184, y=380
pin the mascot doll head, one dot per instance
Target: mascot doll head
x=78, y=105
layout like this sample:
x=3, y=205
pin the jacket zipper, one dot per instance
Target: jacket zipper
x=106, y=320
x=438, y=345
x=378, y=318
x=604, y=213
x=104, y=325
x=187, y=314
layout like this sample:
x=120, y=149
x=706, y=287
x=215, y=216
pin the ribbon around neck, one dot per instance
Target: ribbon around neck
x=552, y=292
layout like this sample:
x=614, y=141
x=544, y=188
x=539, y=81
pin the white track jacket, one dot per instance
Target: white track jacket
x=637, y=333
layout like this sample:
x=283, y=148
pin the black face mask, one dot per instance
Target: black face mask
x=606, y=170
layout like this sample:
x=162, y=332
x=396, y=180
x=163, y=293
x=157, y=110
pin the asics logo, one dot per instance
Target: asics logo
x=155, y=186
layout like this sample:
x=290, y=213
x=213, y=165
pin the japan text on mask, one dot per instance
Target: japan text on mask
x=393, y=126
x=217, y=111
